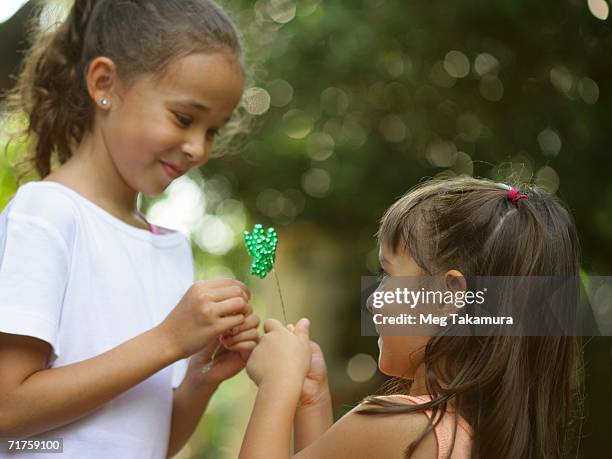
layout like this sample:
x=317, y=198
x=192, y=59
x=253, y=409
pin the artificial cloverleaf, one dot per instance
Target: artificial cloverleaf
x=262, y=247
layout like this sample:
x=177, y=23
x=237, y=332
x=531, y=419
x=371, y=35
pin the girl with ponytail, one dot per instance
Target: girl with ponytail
x=104, y=332
x=454, y=395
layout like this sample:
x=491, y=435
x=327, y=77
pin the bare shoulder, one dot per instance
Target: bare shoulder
x=357, y=435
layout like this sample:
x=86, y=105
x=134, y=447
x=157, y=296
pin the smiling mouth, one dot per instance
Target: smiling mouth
x=170, y=171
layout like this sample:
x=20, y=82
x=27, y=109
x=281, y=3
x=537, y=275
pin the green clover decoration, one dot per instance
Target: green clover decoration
x=262, y=247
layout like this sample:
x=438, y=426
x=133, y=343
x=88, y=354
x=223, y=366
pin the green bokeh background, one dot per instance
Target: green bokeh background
x=352, y=102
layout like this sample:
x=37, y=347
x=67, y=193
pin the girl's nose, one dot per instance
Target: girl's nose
x=195, y=150
x=369, y=306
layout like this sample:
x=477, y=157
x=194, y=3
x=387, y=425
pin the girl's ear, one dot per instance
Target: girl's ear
x=102, y=81
x=455, y=281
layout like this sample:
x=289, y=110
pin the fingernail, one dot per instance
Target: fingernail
x=304, y=322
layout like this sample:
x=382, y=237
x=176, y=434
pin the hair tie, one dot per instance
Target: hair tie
x=514, y=195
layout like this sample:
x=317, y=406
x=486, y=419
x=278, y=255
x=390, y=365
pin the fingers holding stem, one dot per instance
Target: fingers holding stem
x=206, y=368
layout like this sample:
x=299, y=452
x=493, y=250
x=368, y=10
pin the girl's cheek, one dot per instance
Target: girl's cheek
x=155, y=136
x=160, y=126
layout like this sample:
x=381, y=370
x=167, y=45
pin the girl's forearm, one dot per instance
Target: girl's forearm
x=57, y=396
x=268, y=433
x=187, y=408
x=312, y=421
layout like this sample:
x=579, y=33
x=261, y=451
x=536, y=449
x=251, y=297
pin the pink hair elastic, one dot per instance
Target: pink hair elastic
x=515, y=195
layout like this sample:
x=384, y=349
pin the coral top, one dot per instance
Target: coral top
x=444, y=432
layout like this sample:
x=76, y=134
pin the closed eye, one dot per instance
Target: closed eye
x=186, y=121
x=183, y=119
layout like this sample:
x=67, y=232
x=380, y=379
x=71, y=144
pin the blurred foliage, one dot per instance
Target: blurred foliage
x=352, y=102
x=370, y=85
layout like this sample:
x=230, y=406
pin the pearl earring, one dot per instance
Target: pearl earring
x=104, y=102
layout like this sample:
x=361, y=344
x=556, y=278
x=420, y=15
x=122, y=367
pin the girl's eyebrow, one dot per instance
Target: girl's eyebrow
x=198, y=105
x=194, y=104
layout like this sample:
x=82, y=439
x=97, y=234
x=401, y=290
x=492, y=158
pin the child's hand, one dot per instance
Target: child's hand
x=232, y=352
x=207, y=310
x=315, y=388
x=281, y=355
x=244, y=337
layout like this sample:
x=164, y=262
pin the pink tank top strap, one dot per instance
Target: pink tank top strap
x=461, y=449
x=154, y=229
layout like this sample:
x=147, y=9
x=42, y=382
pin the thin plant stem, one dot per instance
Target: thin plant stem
x=280, y=295
x=206, y=368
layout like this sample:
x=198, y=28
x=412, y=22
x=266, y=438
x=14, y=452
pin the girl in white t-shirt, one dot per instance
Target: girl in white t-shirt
x=99, y=310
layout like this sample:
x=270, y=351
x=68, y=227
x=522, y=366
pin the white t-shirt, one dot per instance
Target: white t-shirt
x=84, y=281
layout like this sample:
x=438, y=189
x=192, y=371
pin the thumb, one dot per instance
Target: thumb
x=302, y=329
x=272, y=324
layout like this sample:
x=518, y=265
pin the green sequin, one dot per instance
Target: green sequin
x=262, y=247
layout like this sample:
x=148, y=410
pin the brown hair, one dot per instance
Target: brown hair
x=140, y=36
x=517, y=392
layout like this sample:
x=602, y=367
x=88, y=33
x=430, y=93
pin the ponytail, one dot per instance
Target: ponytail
x=51, y=89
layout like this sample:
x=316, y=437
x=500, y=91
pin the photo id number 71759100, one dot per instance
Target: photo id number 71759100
x=47, y=445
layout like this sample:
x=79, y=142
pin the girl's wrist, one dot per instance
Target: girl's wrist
x=320, y=399
x=285, y=395
x=201, y=389
x=211, y=383
x=282, y=382
x=198, y=381
x=166, y=343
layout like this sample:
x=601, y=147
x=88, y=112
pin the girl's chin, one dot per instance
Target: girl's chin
x=385, y=372
x=383, y=366
x=387, y=367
